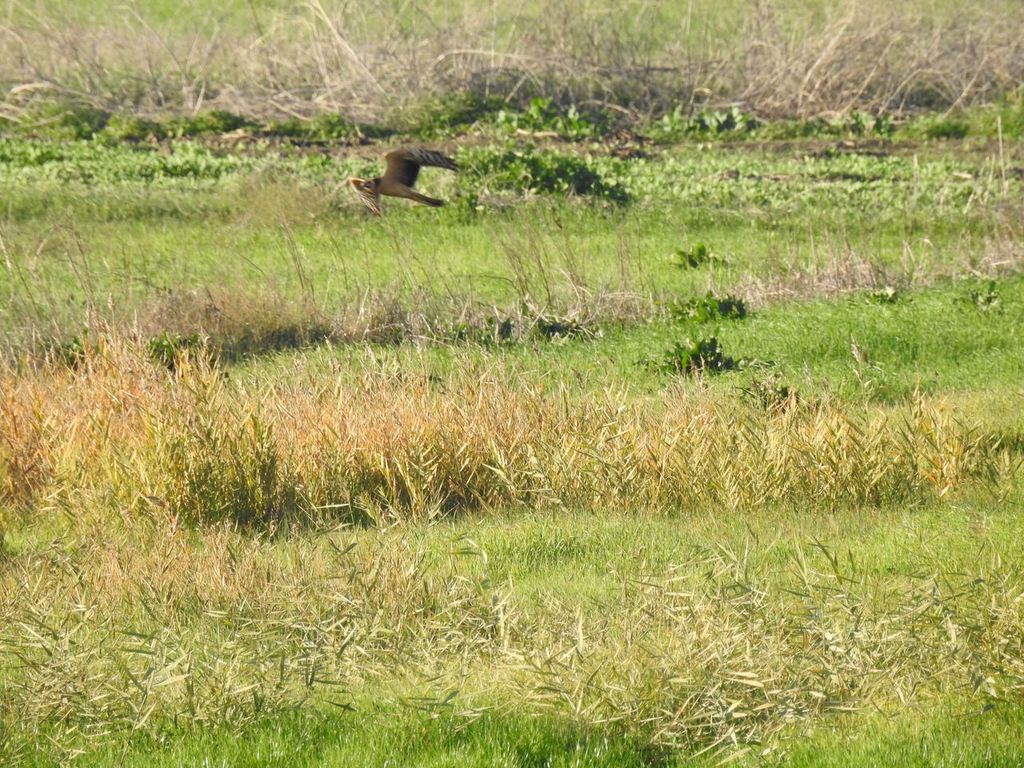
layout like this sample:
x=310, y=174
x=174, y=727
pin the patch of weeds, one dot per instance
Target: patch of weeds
x=65, y=122
x=131, y=129
x=554, y=328
x=1007, y=117
x=325, y=127
x=769, y=393
x=271, y=337
x=519, y=169
x=543, y=116
x=689, y=357
x=709, y=308
x=863, y=124
x=214, y=121
x=857, y=123
x=171, y=349
x=986, y=299
x=936, y=126
x=503, y=329
x=441, y=116
x=946, y=129
x=887, y=295
x=492, y=330
x=73, y=352
x=697, y=256
x=223, y=472
x=677, y=125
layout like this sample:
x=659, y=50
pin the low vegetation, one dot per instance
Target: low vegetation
x=688, y=433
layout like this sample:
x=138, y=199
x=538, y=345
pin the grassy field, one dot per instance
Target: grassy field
x=690, y=431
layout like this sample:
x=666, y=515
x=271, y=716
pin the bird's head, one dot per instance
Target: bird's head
x=362, y=185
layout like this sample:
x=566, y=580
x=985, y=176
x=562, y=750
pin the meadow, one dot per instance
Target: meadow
x=688, y=432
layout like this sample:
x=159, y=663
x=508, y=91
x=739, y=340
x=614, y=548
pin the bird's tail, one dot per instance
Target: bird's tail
x=431, y=201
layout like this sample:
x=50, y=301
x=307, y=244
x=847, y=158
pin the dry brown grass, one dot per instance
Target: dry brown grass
x=870, y=56
x=390, y=445
x=835, y=267
x=728, y=660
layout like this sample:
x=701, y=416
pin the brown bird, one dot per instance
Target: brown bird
x=398, y=179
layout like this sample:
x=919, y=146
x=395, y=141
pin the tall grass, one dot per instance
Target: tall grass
x=149, y=625
x=394, y=446
x=774, y=59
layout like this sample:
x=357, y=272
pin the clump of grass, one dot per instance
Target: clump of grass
x=397, y=448
x=232, y=326
x=769, y=393
x=321, y=128
x=26, y=459
x=693, y=258
x=543, y=116
x=887, y=295
x=440, y=116
x=171, y=349
x=708, y=309
x=678, y=125
x=689, y=357
x=687, y=682
x=212, y=121
x=131, y=128
x=62, y=120
x=984, y=299
x=552, y=327
x=227, y=473
x=526, y=169
x=938, y=127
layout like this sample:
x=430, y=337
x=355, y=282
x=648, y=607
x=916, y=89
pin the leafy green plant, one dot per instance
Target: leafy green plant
x=131, y=128
x=170, y=349
x=769, y=393
x=709, y=308
x=887, y=295
x=697, y=256
x=543, y=116
x=329, y=126
x=214, y=121
x=985, y=299
x=62, y=121
x=855, y=124
x=863, y=124
x=73, y=352
x=454, y=112
x=700, y=356
x=526, y=169
x=678, y=125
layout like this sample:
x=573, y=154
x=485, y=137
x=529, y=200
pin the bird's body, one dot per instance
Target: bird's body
x=403, y=167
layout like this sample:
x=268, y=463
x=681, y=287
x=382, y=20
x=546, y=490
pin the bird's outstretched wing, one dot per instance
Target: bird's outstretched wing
x=404, y=164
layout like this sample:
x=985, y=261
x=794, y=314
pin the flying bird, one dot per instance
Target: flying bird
x=403, y=166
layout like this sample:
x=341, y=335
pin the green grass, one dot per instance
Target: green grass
x=965, y=739
x=162, y=603
x=137, y=225
x=557, y=561
x=935, y=341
